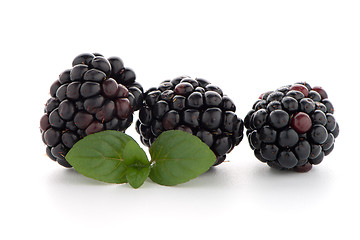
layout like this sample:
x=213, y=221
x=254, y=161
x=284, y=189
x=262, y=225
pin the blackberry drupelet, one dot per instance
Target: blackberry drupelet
x=292, y=127
x=194, y=106
x=95, y=94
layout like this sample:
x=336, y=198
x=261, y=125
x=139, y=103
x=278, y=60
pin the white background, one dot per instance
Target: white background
x=245, y=47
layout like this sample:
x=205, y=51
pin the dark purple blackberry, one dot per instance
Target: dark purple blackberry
x=194, y=106
x=95, y=94
x=292, y=127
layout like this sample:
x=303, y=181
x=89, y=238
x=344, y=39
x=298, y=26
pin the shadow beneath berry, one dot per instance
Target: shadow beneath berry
x=215, y=178
x=265, y=173
x=289, y=187
x=72, y=177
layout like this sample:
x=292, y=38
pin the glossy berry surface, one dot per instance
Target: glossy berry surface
x=301, y=122
x=96, y=94
x=292, y=127
x=194, y=106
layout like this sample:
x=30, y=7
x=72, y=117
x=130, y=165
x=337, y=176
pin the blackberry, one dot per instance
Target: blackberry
x=292, y=127
x=95, y=94
x=194, y=106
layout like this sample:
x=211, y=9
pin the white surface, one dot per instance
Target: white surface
x=245, y=47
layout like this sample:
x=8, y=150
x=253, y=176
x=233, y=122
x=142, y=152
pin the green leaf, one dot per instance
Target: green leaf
x=138, y=165
x=137, y=176
x=134, y=154
x=100, y=156
x=178, y=157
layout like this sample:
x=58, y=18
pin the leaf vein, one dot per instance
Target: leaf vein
x=111, y=146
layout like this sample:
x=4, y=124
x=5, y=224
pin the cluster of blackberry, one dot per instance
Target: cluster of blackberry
x=95, y=94
x=194, y=106
x=292, y=127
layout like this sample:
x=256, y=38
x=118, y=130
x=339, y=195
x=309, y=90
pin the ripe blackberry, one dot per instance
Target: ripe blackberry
x=292, y=127
x=95, y=94
x=194, y=106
